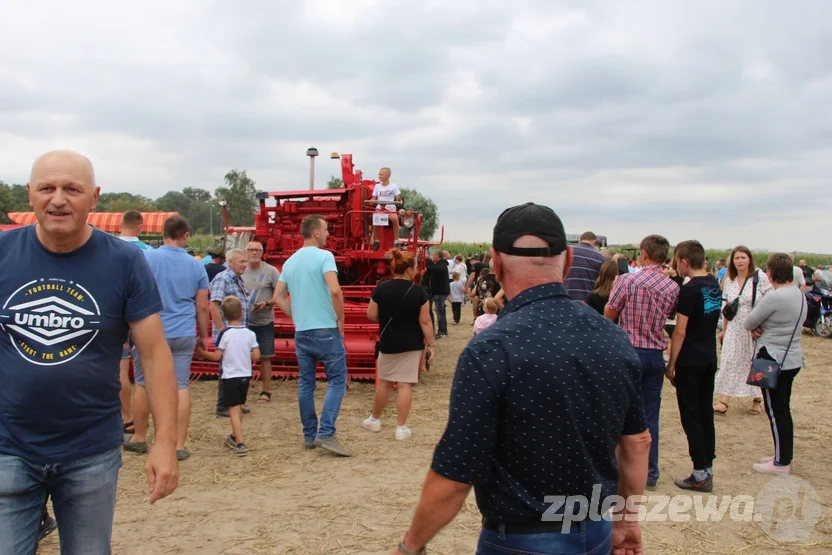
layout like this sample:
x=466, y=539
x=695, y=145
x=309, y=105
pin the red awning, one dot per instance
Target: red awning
x=107, y=221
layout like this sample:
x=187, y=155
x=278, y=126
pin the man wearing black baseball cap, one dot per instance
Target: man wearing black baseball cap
x=540, y=402
x=217, y=263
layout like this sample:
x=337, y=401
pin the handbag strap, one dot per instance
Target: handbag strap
x=754, y=283
x=799, y=320
x=743, y=287
x=391, y=317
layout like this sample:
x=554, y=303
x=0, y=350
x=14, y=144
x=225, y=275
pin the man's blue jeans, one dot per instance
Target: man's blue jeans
x=652, y=381
x=325, y=345
x=441, y=320
x=83, y=495
x=585, y=538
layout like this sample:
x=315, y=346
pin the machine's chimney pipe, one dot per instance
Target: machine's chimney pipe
x=312, y=152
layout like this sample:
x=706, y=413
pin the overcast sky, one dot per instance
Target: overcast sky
x=693, y=119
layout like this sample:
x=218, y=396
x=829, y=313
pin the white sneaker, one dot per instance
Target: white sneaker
x=403, y=433
x=372, y=426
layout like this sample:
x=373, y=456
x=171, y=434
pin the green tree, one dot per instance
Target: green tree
x=122, y=202
x=20, y=199
x=6, y=203
x=197, y=195
x=335, y=183
x=239, y=190
x=173, y=201
x=197, y=206
x=414, y=200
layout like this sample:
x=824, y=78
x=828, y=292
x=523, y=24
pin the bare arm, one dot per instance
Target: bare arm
x=632, y=454
x=216, y=316
x=160, y=382
x=157, y=363
x=372, y=311
x=427, y=329
x=214, y=356
x=441, y=501
x=202, y=314
x=470, y=280
x=610, y=313
x=498, y=298
x=676, y=345
x=337, y=298
x=281, y=298
x=255, y=355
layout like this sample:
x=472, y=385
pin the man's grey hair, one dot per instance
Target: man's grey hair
x=234, y=253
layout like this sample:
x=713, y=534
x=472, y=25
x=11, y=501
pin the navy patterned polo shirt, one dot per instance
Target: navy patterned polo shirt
x=539, y=402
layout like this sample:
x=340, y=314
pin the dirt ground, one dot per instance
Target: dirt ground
x=284, y=499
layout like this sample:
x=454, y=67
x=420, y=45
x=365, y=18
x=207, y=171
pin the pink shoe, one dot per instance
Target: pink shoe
x=766, y=460
x=769, y=468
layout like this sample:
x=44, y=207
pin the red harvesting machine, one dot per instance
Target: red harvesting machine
x=360, y=265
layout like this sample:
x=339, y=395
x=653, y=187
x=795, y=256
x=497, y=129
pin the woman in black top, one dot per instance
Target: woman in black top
x=603, y=286
x=401, y=308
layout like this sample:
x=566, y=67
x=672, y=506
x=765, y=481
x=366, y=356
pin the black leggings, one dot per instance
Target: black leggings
x=777, y=403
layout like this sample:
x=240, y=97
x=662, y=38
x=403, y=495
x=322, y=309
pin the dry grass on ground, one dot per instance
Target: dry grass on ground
x=284, y=499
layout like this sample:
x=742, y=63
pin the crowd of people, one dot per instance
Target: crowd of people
x=557, y=330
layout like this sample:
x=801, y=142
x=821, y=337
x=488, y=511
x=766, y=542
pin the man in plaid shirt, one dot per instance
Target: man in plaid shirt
x=228, y=282
x=642, y=302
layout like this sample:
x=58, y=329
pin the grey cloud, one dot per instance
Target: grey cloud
x=478, y=105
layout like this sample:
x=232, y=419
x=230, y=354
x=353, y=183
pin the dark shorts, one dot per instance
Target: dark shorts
x=265, y=339
x=234, y=391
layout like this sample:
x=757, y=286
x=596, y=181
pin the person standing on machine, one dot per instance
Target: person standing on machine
x=390, y=193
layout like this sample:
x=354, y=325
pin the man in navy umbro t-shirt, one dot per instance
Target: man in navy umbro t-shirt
x=69, y=293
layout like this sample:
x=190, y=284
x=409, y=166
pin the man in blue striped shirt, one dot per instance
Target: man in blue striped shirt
x=585, y=268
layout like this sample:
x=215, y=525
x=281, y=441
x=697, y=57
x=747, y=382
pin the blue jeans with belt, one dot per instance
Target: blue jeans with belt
x=83, y=495
x=325, y=345
x=652, y=380
x=585, y=538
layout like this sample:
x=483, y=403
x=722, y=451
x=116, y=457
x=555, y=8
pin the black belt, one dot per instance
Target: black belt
x=540, y=527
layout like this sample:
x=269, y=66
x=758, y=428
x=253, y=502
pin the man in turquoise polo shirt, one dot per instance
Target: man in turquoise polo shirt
x=310, y=276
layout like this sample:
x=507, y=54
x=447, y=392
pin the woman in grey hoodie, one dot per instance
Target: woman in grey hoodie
x=775, y=323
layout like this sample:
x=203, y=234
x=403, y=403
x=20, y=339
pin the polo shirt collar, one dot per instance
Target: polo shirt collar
x=172, y=248
x=536, y=293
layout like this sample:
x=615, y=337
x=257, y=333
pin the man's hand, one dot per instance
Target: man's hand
x=670, y=373
x=341, y=329
x=626, y=538
x=260, y=306
x=162, y=471
x=201, y=344
x=757, y=333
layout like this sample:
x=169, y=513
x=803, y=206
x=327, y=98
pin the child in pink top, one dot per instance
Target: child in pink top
x=488, y=318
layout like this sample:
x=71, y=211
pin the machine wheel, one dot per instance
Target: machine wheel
x=823, y=327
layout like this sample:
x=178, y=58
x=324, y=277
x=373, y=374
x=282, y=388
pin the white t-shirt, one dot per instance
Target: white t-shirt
x=799, y=279
x=386, y=194
x=457, y=294
x=236, y=344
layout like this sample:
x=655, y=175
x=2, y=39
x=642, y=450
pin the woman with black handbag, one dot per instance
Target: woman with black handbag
x=401, y=308
x=744, y=287
x=775, y=323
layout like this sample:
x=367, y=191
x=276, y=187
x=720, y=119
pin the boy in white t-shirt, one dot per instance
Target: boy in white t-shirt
x=389, y=193
x=457, y=296
x=235, y=350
